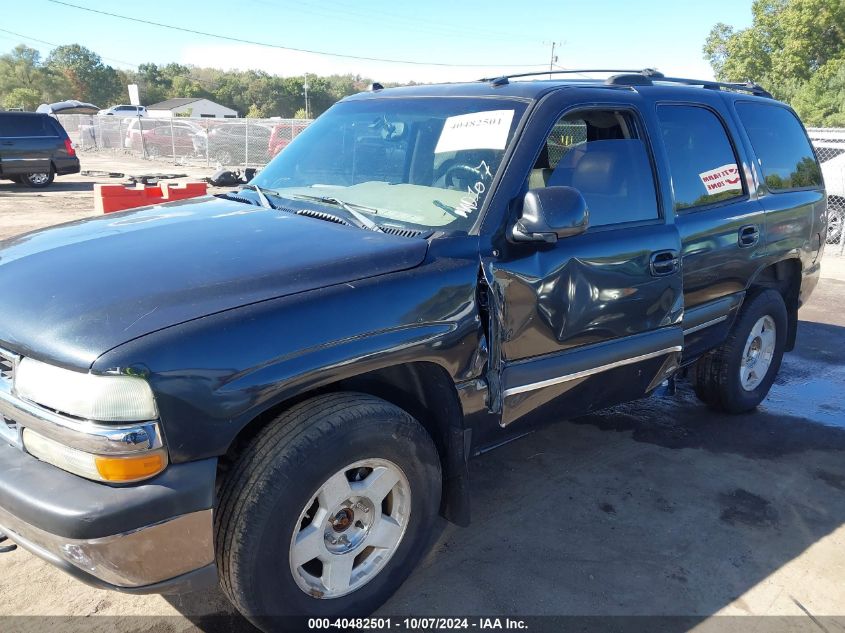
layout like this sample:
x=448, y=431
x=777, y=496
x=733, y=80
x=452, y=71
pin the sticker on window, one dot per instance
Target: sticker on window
x=724, y=178
x=477, y=130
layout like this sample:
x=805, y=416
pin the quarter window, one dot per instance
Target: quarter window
x=702, y=161
x=786, y=157
x=601, y=154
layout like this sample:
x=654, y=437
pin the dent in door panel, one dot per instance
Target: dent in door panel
x=557, y=300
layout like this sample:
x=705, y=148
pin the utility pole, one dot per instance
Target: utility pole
x=553, y=59
x=306, y=97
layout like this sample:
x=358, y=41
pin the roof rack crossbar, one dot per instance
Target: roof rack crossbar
x=649, y=72
x=625, y=77
x=751, y=87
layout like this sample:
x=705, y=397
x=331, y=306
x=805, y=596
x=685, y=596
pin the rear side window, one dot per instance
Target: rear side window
x=16, y=125
x=786, y=157
x=701, y=159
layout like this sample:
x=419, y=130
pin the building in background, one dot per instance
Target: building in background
x=190, y=107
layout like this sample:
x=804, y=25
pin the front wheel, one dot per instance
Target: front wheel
x=737, y=376
x=327, y=510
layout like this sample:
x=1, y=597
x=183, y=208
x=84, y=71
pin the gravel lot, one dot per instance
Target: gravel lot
x=658, y=507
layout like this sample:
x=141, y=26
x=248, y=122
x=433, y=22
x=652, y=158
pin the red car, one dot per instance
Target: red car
x=158, y=142
x=283, y=134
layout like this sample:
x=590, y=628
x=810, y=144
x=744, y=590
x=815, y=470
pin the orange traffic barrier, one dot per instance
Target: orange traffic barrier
x=110, y=198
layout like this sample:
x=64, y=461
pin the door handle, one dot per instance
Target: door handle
x=664, y=263
x=748, y=235
x=7, y=143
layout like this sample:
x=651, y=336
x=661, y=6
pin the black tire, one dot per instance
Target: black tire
x=278, y=475
x=38, y=180
x=15, y=178
x=716, y=377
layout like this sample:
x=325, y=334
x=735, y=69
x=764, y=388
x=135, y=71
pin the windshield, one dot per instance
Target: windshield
x=424, y=163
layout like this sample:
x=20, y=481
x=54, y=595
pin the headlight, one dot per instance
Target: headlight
x=87, y=396
x=110, y=468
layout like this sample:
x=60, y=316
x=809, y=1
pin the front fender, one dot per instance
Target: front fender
x=213, y=375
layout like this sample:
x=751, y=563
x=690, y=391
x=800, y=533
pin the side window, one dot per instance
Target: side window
x=701, y=159
x=28, y=125
x=601, y=154
x=785, y=155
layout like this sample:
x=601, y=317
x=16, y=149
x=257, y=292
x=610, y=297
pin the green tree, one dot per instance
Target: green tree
x=88, y=77
x=23, y=68
x=75, y=72
x=26, y=98
x=795, y=48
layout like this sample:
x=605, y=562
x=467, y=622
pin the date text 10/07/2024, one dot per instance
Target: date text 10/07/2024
x=417, y=624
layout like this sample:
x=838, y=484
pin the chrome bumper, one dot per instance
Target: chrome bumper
x=148, y=557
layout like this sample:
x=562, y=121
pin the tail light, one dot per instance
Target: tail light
x=69, y=148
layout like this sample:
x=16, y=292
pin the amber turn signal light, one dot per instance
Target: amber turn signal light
x=119, y=469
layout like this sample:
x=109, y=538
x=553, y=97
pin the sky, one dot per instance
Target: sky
x=449, y=40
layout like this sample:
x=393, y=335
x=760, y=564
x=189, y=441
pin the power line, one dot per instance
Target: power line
x=35, y=39
x=111, y=59
x=239, y=40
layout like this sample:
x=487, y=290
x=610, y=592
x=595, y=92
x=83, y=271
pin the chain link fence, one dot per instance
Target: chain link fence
x=830, y=148
x=185, y=141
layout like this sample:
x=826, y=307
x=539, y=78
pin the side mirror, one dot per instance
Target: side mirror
x=551, y=213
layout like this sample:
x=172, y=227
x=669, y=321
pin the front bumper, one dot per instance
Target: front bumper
x=153, y=537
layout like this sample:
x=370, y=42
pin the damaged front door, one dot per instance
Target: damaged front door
x=593, y=318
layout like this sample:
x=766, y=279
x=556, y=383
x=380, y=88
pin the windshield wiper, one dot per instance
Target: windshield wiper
x=360, y=220
x=265, y=201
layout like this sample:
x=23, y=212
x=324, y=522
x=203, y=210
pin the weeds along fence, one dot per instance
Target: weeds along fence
x=240, y=143
x=185, y=141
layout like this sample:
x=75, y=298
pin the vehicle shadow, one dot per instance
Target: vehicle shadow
x=7, y=187
x=659, y=507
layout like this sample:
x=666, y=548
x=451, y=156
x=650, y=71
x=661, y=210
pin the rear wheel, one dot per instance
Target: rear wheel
x=37, y=180
x=327, y=510
x=737, y=376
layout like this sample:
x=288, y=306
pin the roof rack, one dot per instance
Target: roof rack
x=503, y=79
x=642, y=77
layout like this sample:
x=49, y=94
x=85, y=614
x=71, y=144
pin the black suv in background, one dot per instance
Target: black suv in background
x=34, y=148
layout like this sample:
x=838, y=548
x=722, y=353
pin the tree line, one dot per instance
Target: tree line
x=795, y=49
x=75, y=72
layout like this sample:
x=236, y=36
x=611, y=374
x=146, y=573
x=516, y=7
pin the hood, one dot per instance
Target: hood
x=70, y=293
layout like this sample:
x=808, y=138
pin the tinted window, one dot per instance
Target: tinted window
x=23, y=125
x=701, y=160
x=600, y=154
x=785, y=154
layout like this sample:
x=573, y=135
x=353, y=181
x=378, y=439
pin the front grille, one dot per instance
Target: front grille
x=7, y=369
x=8, y=361
x=8, y=428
